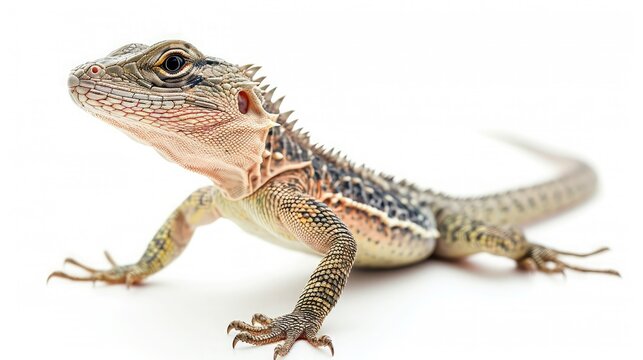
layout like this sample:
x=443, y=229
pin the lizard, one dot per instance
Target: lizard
x=220, y=120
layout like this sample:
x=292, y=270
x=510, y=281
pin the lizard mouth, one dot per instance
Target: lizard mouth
x=101, y=94
x=159, y=108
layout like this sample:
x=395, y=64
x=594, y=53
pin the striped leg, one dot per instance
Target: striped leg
x=461, y=236
x=168, y=243
x=314, y=224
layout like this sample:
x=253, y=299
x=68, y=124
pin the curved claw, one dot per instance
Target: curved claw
x=290, y=328
x=323, y=341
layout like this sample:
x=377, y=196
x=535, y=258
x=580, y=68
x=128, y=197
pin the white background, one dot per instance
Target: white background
x=406, y=88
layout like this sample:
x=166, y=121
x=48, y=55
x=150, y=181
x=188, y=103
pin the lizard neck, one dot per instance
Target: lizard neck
x=284, y=151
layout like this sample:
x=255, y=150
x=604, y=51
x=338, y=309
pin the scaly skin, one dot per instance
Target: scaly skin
x=216, y=119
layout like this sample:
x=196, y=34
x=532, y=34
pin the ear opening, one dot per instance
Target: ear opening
x=249, y=103
x=243, y=101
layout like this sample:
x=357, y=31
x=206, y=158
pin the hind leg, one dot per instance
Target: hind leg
x=461, y=236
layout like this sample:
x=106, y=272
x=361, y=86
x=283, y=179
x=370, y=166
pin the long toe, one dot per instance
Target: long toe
x=547, y=260
x=252, y=329
x=262, y=339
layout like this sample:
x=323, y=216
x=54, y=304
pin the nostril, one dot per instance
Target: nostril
x=95, y=71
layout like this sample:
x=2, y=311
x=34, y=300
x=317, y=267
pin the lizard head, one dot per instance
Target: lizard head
x=200, y=112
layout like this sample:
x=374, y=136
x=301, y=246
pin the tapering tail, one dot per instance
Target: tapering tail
x=529, y=204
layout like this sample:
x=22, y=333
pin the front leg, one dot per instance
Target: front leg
x=168, y=243
x=313, y=223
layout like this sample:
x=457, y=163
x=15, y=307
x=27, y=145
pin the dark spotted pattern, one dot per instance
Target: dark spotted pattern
x=339, y=176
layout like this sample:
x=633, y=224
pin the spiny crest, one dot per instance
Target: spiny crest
x=267, y=95
x=283, y=119
x=243, y=68
x=303, y=138
x=271, y=106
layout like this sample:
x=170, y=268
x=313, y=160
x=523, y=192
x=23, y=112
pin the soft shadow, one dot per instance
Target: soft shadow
x=473, y=268
x=220, y=303
x=434, y=267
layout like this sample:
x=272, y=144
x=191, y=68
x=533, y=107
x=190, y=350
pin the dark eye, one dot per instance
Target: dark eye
x=173, y=63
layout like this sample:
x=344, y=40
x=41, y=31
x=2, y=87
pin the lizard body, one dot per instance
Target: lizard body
x=216, y=119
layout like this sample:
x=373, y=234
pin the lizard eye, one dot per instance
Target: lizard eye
x=174, y=66
x=173, y=63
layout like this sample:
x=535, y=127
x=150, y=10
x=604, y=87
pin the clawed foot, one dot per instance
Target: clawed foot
x=128, y=274
x=546, y=260
x=290, y=328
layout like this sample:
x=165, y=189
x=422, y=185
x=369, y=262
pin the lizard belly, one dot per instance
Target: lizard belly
x=261, y=224
x=395, y=249
x=273, y=235
x=382, y=242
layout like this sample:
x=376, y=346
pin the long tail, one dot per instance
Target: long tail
x=529, y=204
